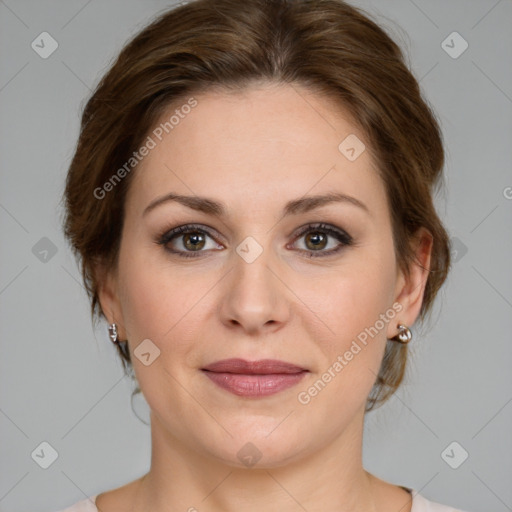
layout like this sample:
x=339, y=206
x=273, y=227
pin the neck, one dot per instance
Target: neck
x=332, y=478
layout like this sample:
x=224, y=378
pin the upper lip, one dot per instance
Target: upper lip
x=260, y=367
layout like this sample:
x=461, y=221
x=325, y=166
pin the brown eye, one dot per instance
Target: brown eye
x=188, y=241
x=193, y=241
x=316, y=240
x=319, y=236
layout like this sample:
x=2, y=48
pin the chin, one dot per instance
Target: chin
x=255, y=448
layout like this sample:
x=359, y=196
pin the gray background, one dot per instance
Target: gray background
x=62, y=383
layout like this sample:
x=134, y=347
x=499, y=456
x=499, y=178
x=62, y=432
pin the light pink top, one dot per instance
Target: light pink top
x=419, y=504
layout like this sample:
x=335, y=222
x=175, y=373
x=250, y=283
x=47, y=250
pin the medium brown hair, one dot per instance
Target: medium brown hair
x=325, y=45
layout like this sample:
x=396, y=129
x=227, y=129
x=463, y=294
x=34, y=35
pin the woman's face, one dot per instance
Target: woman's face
x=250, y=280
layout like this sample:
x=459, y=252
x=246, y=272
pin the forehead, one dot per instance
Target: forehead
x=258, y=145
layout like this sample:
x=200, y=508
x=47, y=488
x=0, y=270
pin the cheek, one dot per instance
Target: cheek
x=144, y=302
x=359, y=292
x=357, y=310
x=162, y=302
x=143, y=292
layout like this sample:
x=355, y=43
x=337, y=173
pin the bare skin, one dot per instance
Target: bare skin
x=127, y=497
x=254, y=152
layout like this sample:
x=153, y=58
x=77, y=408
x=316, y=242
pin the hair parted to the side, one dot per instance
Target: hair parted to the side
x=326, y=45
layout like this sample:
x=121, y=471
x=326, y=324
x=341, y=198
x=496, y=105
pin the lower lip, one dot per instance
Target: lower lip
x=255, y=385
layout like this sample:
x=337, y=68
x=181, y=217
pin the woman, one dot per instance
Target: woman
x=251, y=202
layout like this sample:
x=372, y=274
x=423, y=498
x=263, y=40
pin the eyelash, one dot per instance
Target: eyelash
x=340, y=235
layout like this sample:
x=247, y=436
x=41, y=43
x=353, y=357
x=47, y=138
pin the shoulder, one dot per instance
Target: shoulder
x=87, y=505
x=422, y=504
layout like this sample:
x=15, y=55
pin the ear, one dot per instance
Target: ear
x=108, y=296
x=411, y=287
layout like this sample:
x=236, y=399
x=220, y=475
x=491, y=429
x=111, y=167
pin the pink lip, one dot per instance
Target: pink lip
x=254, y=378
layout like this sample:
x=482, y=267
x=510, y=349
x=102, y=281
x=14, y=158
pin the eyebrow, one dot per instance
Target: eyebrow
x=297, y=206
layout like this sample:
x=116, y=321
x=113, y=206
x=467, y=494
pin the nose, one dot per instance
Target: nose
x=255, y=298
